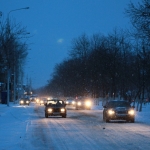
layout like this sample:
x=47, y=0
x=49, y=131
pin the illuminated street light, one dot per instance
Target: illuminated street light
x=8, y=70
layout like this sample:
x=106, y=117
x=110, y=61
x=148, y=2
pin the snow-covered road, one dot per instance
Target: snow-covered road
x=26, y=128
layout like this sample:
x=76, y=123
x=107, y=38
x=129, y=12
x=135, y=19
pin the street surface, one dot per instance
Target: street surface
x=81, y=130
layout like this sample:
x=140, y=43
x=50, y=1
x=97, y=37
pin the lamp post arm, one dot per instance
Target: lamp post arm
x=16, y=10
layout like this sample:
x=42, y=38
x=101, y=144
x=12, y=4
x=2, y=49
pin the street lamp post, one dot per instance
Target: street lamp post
x=8, y=70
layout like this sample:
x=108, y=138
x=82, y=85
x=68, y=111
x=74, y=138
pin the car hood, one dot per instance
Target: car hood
x=121, y=108
x=55, y=107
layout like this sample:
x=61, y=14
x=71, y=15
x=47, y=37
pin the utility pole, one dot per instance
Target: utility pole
x=8, y=67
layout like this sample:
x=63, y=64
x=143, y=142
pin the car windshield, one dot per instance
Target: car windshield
x=118, y=104
x=55, y=102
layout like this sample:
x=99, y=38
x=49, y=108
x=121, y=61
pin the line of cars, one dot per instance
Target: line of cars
x=57, y=107
x=41, y=100
x=112, y=109
x=81, y=103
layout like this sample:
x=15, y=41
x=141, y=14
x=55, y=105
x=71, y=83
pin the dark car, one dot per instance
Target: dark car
x=70, y=102
x=118, y=110
x=83, y=104
x=55, y=107
x=24, y=101
x=43, y=101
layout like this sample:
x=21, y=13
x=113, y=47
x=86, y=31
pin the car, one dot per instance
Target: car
x=70, y=102
x=83, y=104
x=43, y=101
x=37, y=100
x=118, y=110
x=55, y=107
x=33, y=98
x=24, y=101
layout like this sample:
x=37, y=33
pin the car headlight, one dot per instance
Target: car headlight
x=67, y=102
x=21, y=102
x=79, y=103
x=73, y=102
x=42, y=102
x=62, y=110
x=111, y=112
x=131, y=112
x=50, y=110
x=88, y=103
x=27, y=101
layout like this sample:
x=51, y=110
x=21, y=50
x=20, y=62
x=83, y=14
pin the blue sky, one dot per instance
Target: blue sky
x=55, y=23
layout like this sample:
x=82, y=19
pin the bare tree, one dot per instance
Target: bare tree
x=140, y=18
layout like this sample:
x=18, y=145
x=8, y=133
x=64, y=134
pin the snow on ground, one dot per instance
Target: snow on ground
x=14, y=122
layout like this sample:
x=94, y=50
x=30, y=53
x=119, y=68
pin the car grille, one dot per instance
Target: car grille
x=56, y=109
x=121, y=112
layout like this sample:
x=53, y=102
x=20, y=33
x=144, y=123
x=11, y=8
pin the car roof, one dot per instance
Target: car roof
x=55, y=100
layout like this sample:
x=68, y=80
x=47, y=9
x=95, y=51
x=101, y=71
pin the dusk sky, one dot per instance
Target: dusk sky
x=53, y=24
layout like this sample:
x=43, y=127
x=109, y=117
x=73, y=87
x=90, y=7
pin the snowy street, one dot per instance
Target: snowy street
x=26, y=128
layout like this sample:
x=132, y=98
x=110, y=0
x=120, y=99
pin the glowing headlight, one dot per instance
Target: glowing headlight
x=131, y=112
x=42, y=102
x=73, y=102
x=88, y=103
x=111, y=112
x=67, y=102
x=50, y=110
x=27, y=101
x=62, y=110
x=21, y=102
x=79, y=103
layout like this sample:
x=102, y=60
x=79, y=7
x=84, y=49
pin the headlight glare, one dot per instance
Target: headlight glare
x=21, y=101
x=73, y=102
x=111, y=112
x=88, y=103
x=131, y=112
x=50, y=110
x=79, y=103
x=62, y=110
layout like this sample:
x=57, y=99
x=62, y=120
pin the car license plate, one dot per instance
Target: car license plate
x=56, y=113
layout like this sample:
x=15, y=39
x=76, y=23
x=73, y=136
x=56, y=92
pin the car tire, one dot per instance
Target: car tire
x=107, y=120
x=132, y=120
x=46, y=115
x=63, y=116
x=103, y=118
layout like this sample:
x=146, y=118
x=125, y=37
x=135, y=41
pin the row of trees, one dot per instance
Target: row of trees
x=13, y=52
x=116, y=65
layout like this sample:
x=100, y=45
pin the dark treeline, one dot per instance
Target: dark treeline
x=13, y=53
x=116, y=65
